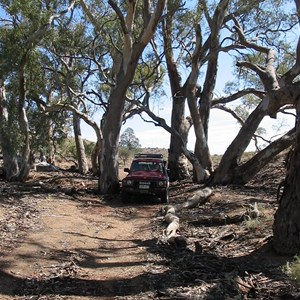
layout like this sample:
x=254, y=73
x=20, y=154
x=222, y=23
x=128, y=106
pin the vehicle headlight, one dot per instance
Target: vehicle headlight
x=128, y=182
x=162, y=183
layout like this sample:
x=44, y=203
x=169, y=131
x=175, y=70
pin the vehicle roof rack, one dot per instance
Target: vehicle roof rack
x=148, y=155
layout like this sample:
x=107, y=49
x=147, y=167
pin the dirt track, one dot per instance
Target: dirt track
x=60, y=240
x=79, y=246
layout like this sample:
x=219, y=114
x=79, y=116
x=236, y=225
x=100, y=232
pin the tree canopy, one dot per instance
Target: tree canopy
x=129, y=140
x=105, y=61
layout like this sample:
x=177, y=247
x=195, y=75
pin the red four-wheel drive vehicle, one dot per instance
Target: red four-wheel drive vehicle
x=148, y=175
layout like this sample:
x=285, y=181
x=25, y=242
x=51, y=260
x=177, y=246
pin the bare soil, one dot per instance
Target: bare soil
x=59, y=239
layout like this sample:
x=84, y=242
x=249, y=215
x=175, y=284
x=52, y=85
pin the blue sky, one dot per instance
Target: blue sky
x=222, y=130
x=222, y=127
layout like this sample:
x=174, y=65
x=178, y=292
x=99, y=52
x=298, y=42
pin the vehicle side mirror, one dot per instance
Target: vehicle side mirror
x=126, y=170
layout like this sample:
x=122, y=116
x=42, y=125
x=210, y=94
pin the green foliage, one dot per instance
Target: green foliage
x=129, y=140
x=77, y=54
x=252, y=225
x=89, y=147
x=293, y=269
x=67, y=148
x=124, y=154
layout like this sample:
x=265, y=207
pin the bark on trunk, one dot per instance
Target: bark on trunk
x=203, y=154
x=201, y=150
x=208, y=88
x=177, y=162
x=95, y=158
x=286, y=228
x=10, y=161
x=25, y=158
x=247, y=171
x=51, y=145
x=231, y=158
x=109, y=176
x=82, y=160
x=23, y=122
x=109, y=181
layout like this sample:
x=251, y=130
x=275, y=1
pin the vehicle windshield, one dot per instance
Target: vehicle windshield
x=147, y=166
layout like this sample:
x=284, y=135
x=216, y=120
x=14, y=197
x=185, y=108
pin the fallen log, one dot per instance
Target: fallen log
x=199, y=198
x=172, y=232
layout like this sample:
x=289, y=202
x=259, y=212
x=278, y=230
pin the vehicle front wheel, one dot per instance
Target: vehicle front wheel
x=125, y=197
x=165, y=197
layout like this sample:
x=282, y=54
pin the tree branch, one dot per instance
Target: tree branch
x=237, y=95
x=201, y=173
x=63, y=106
x=230, y=111
x=244, y=41
x=38, y=34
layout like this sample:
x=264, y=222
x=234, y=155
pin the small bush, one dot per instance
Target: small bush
x=252, y=224
x=293, y=269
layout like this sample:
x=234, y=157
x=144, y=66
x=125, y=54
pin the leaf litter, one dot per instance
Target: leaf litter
x=59, y=239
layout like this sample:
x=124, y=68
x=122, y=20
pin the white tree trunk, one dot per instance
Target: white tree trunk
x=82, y=160
x=109, y=181
x=172, y=233
x=10, y=161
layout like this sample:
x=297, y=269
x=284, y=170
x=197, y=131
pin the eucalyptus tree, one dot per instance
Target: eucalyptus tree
x=183, y=30
x=78, y=84
x=218, y=33
x=257, y=58
x=129, y=140
x=173, y=25
x=69, y=72
x=24, y=25
x=135, y=31
x=197, y=36
x=287, y=222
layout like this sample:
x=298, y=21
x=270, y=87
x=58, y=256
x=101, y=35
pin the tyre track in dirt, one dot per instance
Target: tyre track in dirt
x=80, y=249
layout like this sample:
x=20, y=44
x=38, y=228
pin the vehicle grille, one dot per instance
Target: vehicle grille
x=153, y=184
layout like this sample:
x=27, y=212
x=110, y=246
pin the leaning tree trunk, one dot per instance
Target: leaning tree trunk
x=244, y=173
x=82, y=160
x=109, y=176
x=132, y=51
x=231, y=158
x=203, y=153
x=225, y=172
x=286, y=226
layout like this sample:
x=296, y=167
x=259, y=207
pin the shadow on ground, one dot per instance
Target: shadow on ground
x=206, y=275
